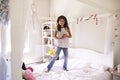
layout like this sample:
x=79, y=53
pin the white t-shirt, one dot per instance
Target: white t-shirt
x=64, y=43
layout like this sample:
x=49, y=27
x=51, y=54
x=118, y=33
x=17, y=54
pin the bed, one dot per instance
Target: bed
x=84, y=64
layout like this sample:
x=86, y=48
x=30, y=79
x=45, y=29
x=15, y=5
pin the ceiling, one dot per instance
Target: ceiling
x=103, y=4
x=75, y=8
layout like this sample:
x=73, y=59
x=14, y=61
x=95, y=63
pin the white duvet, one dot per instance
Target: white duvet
x=78, y=70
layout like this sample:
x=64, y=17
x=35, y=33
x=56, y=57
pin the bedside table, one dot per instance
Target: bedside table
x=116, y=75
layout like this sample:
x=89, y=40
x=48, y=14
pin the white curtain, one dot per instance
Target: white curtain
x=5, y=45
x=108, y=48
x=32, y=50
x=5, y=52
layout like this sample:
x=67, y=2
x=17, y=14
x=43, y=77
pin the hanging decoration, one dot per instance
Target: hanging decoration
x=81, y=18
x=4, y=11
x=34, y=14
x=93, y=16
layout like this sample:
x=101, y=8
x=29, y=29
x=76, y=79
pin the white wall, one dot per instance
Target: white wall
x=87, y=34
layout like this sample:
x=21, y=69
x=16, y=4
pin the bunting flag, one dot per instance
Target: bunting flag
x=81, y=18
x=93, y=16
x=89, y=18
x=77, y=20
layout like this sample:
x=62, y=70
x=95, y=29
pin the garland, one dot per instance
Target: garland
x=4, y=11
x=93, y=16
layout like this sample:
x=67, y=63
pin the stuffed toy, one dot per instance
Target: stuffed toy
x=27, y=72
x=31, y=69
x=51, y=52
x=28, y=75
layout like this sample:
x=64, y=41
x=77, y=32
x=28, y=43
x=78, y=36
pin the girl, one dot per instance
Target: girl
x=62, y=34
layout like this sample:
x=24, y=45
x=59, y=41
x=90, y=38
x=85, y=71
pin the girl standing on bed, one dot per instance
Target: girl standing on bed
x=62, y=34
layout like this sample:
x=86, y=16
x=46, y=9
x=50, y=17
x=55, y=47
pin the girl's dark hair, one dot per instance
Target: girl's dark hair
x=65, y=25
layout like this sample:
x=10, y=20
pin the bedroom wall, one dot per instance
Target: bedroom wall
x=87, y=34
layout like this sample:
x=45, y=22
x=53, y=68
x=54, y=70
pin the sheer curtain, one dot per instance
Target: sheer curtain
x=108, y=48
x=33, y=48
x=5, y=45
x=5, y=51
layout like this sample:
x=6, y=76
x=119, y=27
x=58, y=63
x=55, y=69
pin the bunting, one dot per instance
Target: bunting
x=93, y=16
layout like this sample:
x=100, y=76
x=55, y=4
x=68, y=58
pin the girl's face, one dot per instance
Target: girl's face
x=62, y=22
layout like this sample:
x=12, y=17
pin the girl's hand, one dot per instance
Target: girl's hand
x=64, y=36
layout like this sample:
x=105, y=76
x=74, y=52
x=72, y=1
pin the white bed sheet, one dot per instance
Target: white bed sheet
x=80, y=68
x=77, y=71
